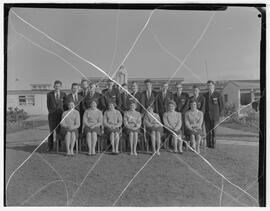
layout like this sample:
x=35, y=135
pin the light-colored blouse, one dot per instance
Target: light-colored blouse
x=112, y=118
x=149, y=120
x=194, y=119
x=92, y=118
x=71, y=119
x=132, y=119
x=172, y=120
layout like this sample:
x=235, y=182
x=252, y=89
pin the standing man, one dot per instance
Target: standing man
x=74, y=96
x=83, y=93
x=112, y=94
x=213, y=111
x=135, y=93
x=124, y=98
x=55, y=102
x=162, y=99
x=198, y=98
x=182, y=104
x=94, y=95
x=148, y=97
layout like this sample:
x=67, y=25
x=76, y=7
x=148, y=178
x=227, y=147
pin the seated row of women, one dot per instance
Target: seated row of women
x=94, y=121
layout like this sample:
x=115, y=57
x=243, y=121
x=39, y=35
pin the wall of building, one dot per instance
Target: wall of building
x=233, y=94
x=40, y=107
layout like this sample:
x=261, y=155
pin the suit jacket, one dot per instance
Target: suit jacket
x=124, y=101
x=77, y=103
x=53, y=105
x=162, y=102
x=113, y=95
x=97, y=97
x=148, y=101
x=138, y=96
x=182, y=102
x=82, y=106
x=200, y=102
x=213, y=106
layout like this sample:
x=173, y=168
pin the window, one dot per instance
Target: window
x=245, y=98
x=22, y=100
x=30, y=100
x=225, y=98
x=27, y=100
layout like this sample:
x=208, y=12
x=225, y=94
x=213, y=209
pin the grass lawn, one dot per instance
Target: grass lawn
x=168, y=180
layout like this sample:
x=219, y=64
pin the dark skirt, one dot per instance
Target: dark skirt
x=199, y=132
x=178, y=132
x=90, y=130
x=110, y=130
x=64, y=131
x=130, y=130
x=151, y=129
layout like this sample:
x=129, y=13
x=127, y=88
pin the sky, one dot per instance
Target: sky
x=222, y=48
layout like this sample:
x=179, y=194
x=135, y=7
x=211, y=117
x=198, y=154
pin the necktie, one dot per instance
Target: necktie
x=75, y=98
x=57, y=95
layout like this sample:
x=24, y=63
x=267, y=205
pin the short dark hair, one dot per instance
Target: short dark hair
x=192, y=100
x=83, y=80
x=210, y=82
x=58, y=82
x=147, y=81
x=124, y=84
x=74, y=84
x=109, y=80
x=70, y=100
x=134, y=82
x=195, y=87
x=179, y=83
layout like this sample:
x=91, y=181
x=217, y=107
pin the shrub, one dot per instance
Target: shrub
x=15, y=114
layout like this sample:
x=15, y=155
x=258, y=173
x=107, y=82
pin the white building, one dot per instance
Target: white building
x=241, y=92
x=33, y=101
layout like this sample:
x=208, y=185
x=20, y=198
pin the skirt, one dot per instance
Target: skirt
x=90, y=130
x=64, y=131
x=156, y=129
x=108, y=130
x=178, y=132
x=128, y=130
x=198, y=132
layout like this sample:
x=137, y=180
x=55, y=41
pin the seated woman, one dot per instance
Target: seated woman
x=92, y=120
x=112, y=123
x=132, y=123
x=194, y=121
x=69, y=126
x=154, y=128
x=173, y=122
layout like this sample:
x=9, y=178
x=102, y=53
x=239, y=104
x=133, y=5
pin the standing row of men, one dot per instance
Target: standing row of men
x=210, y=103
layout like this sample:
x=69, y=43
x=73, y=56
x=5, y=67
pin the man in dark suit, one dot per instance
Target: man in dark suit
x=198, y=98
x=55, y=103
x=135, y=93
x=74, y=96
x=93, y=95
x=182, y=104
x=162, y=99
x=112, y=94
x=83, y=93
x=124, y=98
x=148, y=97
x=213, y=111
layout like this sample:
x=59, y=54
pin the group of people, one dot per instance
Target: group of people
x=90, y=113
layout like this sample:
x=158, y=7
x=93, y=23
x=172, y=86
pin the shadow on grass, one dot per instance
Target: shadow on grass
x=29, y=148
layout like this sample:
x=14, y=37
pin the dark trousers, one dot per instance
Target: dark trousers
x=210, y=132
x=54, y=125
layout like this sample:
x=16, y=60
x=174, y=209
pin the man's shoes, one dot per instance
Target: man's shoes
x=49, y=149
